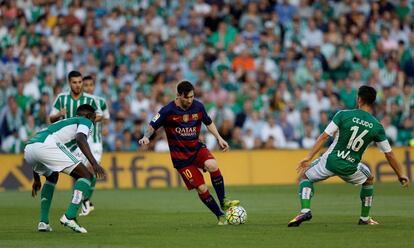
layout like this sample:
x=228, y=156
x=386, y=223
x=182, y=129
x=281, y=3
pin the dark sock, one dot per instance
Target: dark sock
x=209, y=201
x=218, y=184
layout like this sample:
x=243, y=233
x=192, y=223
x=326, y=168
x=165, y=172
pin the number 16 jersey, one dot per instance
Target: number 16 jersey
x=353, y=131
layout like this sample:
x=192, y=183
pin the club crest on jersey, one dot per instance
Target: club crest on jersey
x=194, y=117
x=186, y=118
x=155, y=118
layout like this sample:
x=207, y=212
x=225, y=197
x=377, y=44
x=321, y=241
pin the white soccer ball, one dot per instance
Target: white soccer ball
x=236, y=215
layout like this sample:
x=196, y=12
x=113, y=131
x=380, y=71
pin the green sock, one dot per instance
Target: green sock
x=93, y=182
x=366, y=198
x=46, y=200
x=305, y=194
x=81, y=189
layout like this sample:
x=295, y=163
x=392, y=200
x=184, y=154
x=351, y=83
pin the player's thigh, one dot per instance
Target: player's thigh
x=51, y=157
x=360, y=176
x=318, y=171
x=97, y=151
x=192, y=176
x=205, y=160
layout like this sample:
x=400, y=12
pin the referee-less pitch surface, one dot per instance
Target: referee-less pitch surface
x=176, y=218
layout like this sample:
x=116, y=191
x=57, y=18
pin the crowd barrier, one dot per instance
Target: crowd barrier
x=150, y=170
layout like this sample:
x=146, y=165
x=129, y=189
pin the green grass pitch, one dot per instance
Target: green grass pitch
x=176, y=218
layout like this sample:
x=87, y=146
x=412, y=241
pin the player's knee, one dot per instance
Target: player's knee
x=84, y=172
x=211, y=165
x=53, y=178
x=369, y=181
x=202, y=188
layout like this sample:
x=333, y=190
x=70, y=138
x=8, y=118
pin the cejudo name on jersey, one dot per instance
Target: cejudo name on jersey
x=362, y=122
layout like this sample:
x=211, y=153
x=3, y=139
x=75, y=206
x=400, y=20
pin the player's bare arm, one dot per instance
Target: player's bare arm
x=148, y=133
x=99, y=118
x=37, y=184
x=304, y=163
x=57, y=116
x=222, y=143
x=395, y=165
x=82, y=142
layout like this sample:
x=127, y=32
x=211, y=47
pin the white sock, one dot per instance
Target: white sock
x=305, y=210
x=364, y=218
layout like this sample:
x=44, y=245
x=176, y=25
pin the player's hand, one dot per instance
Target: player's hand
x=223, y=145
x=303, y=166
x=404, y=181
x=36, y=187
x=99, y=171
x=144, y=141
x=62, y=112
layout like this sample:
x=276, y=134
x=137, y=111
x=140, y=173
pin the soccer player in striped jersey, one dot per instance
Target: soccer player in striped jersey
x=353, y=130
x=65, y=106
x=66, y=103
x=48, y=153
x=182, y=120
x=95, y=140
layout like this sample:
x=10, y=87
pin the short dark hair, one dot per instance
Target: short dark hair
x=74, y=74
x=88, y=77
x=367, y=94
x=85, y=109
x=184, y=87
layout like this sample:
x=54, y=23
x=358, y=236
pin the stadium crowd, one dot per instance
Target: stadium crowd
x=271, y=73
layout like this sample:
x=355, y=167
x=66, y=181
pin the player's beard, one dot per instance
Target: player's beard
x=76, y=92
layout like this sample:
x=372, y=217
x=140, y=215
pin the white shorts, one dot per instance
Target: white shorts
x=50, y=156
x=319, y=172
x=96, y=149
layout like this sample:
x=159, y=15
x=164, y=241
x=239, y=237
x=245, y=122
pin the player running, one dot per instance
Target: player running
x=354, y=130
x=48, y=153
x=182, y=120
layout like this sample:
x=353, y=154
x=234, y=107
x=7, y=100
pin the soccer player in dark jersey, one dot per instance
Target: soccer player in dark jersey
x=182, y=120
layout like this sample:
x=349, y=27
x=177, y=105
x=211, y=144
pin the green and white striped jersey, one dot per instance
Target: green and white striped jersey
x=354, y=130
x=64, y=132
x=65, y=100
x=97, y=129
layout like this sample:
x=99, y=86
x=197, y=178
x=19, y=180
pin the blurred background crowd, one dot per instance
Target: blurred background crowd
x=271, y=73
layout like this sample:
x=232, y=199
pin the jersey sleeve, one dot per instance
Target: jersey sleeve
x=104, y=108
x=159, y=119
x=381, y=141
x=84, y=126
x=96, y=105
x=337, y=118
x=56, y=107
x=206, y=118
x=331, y=128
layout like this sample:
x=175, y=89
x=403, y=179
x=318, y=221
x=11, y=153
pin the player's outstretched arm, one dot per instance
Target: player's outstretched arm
x=148, y=133
x=395, y=165
x=82, y=142
x=304, y=163
x=222, y=143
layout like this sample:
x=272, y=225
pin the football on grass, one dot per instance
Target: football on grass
x=236, y=215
